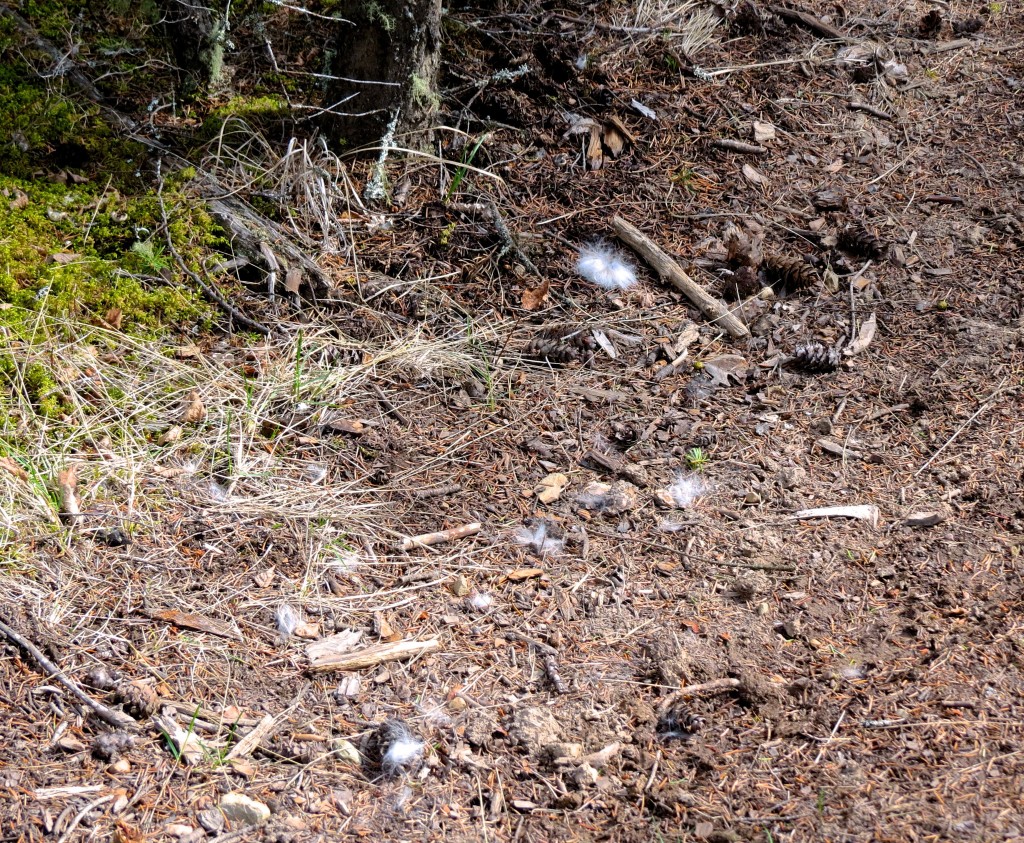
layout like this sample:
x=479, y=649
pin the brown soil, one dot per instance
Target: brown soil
x=879, y=692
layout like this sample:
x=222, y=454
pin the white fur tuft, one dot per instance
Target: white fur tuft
x=538, y=539
x=685, y=490
x=607, y=268
x=404, y=752
x=480, y=601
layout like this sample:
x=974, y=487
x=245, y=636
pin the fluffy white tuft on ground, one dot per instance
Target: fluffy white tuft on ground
x=606, y=267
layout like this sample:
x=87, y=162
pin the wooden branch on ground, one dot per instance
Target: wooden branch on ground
x=322, y=659
x=428, y=539
x=211, y=293
x=671, y=272
x=798, y=17
x=116, y=719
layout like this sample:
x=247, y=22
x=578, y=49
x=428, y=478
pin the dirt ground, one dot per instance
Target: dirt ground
x=858, y=678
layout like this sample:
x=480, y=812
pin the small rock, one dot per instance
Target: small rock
x=240, y=810
x=608, y=498
x=886, y=573
x=925, y=519
x=212, y=820
x=120, y=767
x=792, y=477
x=178, y=829
x=346, y=752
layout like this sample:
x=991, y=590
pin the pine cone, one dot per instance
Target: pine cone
x=815, y=357
x=857, y=240
x=561, y=344
x=139, y=700
x=282, y=748
x=789, y=274
x=743, y=283
x=931, y=24
x=679, y=722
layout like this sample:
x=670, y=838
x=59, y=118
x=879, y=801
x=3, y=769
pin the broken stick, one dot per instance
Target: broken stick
x=428, y=539
x=322, y=659
x=670, y=271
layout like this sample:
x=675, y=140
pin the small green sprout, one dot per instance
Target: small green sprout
x=696, y=459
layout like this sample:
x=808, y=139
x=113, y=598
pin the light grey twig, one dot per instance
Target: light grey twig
x=107, y=715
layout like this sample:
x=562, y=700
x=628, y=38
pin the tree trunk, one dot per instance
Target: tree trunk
x=395, y=42
x=197, y=33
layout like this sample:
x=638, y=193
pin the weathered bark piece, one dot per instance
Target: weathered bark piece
x=250, y=233
x=670, y=271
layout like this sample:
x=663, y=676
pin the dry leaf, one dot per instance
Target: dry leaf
x=763, y=132
x=19, y=201
x=864, y=337
x=753, y=176
x=293, y=280
x=551, y=487
x=113, y=318
x=194, y=409
x=533, y=299
x=519, y=574
x=197, y=622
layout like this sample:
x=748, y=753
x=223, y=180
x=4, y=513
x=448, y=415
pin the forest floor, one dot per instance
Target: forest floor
x=673, y=655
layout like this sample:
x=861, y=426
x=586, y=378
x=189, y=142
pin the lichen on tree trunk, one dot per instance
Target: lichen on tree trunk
x=394, y=42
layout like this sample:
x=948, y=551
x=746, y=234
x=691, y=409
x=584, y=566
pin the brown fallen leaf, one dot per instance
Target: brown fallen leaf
x=534, y=298
x=194, y=409
x=11, y=467
x=19, y=201
x=113, y=318
x=293, y=280
x=200, y=623
x=519, y=574
x=63, y=258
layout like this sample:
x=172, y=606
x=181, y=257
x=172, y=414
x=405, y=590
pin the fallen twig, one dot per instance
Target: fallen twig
x=323, y=659
x=107, y=715
x=798, y=17
x=428, y=539
x=670, y=271
x=739, y=146
x=856, y=105
x=210, y=292
x=81, y=815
